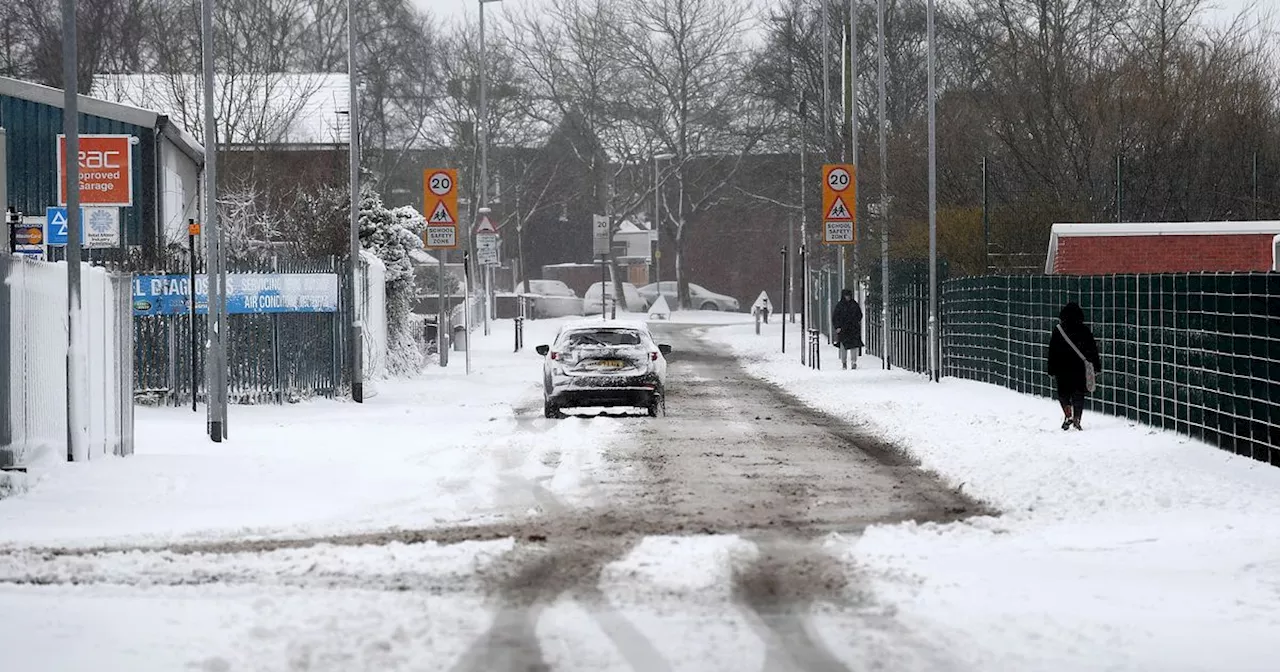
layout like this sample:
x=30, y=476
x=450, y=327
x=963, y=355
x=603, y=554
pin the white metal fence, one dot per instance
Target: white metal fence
x=33, y=344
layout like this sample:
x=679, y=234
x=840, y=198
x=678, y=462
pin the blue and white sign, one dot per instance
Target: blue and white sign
x=247, y=293
x=99, y=228
x=55, y=227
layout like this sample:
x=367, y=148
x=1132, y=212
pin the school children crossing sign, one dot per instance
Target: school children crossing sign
x=440, y=203
x=839, y=200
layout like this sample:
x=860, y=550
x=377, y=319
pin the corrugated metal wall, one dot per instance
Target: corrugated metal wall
x=33, y=130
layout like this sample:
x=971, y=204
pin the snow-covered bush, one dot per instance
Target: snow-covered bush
x=392, y=235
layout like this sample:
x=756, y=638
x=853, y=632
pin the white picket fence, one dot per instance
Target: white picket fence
x=33, y=405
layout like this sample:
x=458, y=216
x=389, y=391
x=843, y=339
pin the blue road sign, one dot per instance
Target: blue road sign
x=55, y=227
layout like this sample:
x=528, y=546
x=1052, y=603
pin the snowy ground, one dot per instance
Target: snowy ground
x=1119, y=547
x=420, y=453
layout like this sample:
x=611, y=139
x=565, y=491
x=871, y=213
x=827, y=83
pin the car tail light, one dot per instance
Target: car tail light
x=555, y=355
x=653, y=356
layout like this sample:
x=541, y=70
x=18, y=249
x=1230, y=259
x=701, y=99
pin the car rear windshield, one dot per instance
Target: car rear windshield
x=611, y=337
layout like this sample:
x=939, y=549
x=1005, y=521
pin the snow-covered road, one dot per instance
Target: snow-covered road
x=446, y=525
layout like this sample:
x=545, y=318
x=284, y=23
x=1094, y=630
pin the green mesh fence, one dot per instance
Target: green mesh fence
x=1195, y=353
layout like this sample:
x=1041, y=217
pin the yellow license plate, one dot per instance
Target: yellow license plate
x=613, y=363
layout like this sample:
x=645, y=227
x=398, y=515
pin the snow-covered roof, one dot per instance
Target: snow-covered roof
x=127, y=113
x=261, y=109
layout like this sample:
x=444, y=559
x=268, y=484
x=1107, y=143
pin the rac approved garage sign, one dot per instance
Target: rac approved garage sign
x=106, y=170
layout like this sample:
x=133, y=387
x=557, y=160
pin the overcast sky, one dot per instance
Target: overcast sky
x=1223, y=10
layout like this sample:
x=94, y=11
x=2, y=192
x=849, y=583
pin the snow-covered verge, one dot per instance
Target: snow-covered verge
x=1120, y=547
x=445, y=448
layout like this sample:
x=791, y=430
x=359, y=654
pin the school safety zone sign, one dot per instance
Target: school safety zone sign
x=106, y=170
x=440, y=205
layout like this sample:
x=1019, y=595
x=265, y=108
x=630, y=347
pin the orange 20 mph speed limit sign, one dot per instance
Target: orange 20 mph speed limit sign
x=440, y=206
x=839, y=204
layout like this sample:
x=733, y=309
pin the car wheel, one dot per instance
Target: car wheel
x=710, y=305
x=551, y=411
x=652, y=408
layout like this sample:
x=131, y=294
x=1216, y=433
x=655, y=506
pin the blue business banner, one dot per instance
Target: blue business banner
x=247, y=293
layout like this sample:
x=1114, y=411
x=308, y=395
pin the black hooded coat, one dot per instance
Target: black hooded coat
x=1062, y=362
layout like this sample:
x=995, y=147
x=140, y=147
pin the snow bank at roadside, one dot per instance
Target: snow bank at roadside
x=1120, y=547
x=442, y=449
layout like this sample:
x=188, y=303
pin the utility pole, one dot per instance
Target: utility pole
x=483, y=196
x=852, y=101
x=884, y=195
x=935, y=340
x=215, y=364
x=77, y=428
x=356, y=338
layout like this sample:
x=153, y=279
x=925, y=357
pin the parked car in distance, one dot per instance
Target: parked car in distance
x=605, y=363
x=701, y=297
x=552, y=298
x=632, y=300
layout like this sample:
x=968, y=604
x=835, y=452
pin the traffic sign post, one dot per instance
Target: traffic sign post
x=486, y=237
x=440, y=204
x=839, y=194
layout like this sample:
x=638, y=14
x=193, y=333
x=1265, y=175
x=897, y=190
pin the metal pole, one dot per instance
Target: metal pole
x=604, y=285
x=1255, y=186
x=884, y=195
x=442, y=323
x=466, y=309
x=191, y=312
x=986, y=219
x=353, y=113
x=76, y=429
x=790, y=298
x=483, y=127
x=214, y=381
x=804, y=296
x=935, y=351
x=1119, y=188
x=853, y=145
x=804, y=216
x=782, y=323
x=657, y=228
x=826, y=78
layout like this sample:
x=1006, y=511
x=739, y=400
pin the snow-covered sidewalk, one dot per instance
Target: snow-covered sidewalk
x=1119, y=547
x=442, y=449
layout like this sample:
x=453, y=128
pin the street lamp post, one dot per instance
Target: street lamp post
x=935, y=340
x=483, y=195
x=353, y=131
x=657, y=218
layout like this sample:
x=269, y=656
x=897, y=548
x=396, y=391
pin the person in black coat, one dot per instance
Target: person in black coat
x=846, y=319
x=1067, y=367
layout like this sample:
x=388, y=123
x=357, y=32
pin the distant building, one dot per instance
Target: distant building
x=1163, y=247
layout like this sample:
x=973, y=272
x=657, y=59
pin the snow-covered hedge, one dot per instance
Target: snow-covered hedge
x=392, y=235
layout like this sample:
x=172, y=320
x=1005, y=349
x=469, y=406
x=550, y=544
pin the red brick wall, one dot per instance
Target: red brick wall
x=1101, y=255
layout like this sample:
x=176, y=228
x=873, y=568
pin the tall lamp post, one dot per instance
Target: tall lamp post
x=483, y=196
x=353, y=130
x=657, y=218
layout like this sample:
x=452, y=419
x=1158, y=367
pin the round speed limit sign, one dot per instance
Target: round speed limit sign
x=440, y=184
x=838, y=179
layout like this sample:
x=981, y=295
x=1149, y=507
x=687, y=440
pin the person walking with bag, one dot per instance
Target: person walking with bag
x=846, y=318
x=1074, y=361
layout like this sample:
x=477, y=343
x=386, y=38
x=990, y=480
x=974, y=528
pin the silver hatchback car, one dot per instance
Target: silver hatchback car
x=604, y=363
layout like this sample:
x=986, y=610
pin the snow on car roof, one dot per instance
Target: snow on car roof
x=597, y=323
